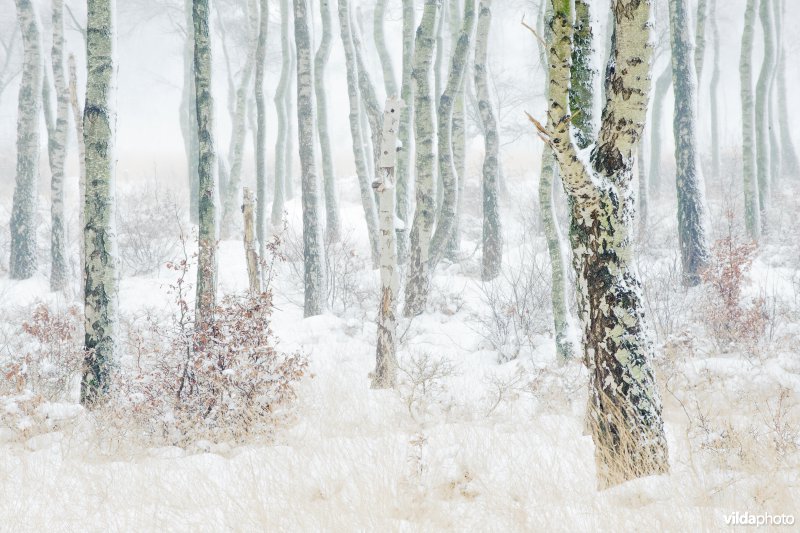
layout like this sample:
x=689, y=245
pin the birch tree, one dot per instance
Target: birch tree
x=404, y=134
x=418, y=276
x=458, y=125
x=772, y=103
x=207, y=231
x=57, y=148
x=359, y=155
x=447, y=171
x=313, y=253
x=714, y=91
x=261, y=128
x=332, y=223
x=692, y=209
x=762, y=117
x=752, y=218
x=23, y=259
x=279, y=194
x=791, y=165
x=188, y=112
x=385, y=374
x=700, y=39
x=389, y=79
x=583, y=75
x=99, y=125
x=492, y=235
x=627, y=427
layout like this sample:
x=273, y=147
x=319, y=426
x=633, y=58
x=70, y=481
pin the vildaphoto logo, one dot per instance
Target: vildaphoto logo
x=763, y=519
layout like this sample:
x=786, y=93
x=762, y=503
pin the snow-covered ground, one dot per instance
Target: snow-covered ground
x=486, y=446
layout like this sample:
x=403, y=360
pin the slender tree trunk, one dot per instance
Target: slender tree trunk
x=313, y=252
x=583, y=75
x=207, y=231
x=772, y=111
x=459, y=147
x=332, y=223
x=389, y=79
x=418, y=276
x=251, y=256
x=700, y=39
x=437, y=91
x=77, y=116
x=492, y=231
x=762, y=113
x=261, y=129
x=385, y=374
x=58, y=152
x=714, y=91
x=364, y=182
x=692, y=211
x=791, y=165
x=448, y=209
x=663, y=83
x=188, y=113
x=231, y=191
x=750, y=180
x=99, y=124
x=290, y=123
x=279, y=195
x=24, y=261
x=404, y=135
x=627, y=426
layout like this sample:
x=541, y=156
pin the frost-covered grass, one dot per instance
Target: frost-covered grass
x=465, y=443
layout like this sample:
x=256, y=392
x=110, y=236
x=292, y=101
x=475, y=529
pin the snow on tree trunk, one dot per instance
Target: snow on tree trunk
x=492, y=231
x=207, y=230
x=58, y=152
x=77, y=116
x=313, y=252
x=692, y=210
x=279, y=195
x=389, y=79
x=24, y=261
x=404, y=134
x=714, y=92
x=99, y=124
x=418, y=276
x=627, y=427
x=663, y=83
x=583, y=75
x=332, y=223
x=762, y=117
x=385, y=374
x=749, y=175
x=791, y=165
x=364, y=181
x=188, y=114
x=230, y=193
x=448, y=176
x=251, y=256
x=261, y=128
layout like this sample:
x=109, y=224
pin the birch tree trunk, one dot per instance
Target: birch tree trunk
x=389, y=79
x=364, y=182
x=663, y=83
x=77, y=116
x=752, y=217
x=714, y=91
x=251, y=256
x=261, y=129
x=290, y=123
x=99, y=124
x=385, y=374
x=239, y=126
x=279, y=194
x=207, y=231
x=492, y=232
x=313, y=252
x=700, y=39
x=458, y=123
x=418, y=276
x=583, y=75
x=332, y=223
x=58, y=153
x=23, y=260
x=627, y=427
x=791, y=165
x=448, y=209
x=762, y=112
x=772, y=103
x=692, y=210
x=404, y=135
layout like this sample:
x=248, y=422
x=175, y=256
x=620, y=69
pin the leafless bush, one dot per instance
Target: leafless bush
x=665, y=298
x=422, y=382
x=514, y=306
x=148, y=228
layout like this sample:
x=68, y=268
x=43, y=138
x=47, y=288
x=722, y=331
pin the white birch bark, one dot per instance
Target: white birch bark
x=313, y=252
x=453, y=250
x=251, y=256
x=404, y=136
x=700, y=39
x=385, y=374
x=99, y=125
x=23, y=259
x=791, y=165
x=749, y=174
x=279, y=194
x=389, y=79
x=714, y=92
x=261, y=128
x=762, y=118
x=418, y=275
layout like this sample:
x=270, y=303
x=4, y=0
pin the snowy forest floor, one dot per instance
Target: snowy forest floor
x=467, y=442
